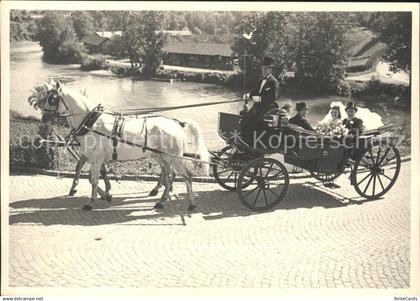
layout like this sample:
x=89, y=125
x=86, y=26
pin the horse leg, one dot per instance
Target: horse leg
x=172, y=177
x=191, y=199
x=79, y=167
x=106, y=196
x=94, y=179
x=159, y=184
x=186, y=175
x=166, y=170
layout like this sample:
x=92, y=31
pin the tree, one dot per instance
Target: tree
x=100, y=20
x=143, y=40
x=394, y=29
x=54, y=31
x=321, y=50
x=153, y=41
x=131, y=37
x=82, y=24
x=314, y=44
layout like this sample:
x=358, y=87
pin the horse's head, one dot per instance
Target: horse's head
x=49, y=99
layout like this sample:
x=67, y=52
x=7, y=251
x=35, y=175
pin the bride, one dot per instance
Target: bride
x=371, y=120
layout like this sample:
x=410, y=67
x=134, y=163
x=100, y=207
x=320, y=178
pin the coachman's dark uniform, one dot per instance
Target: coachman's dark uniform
x=268, y=89
x=253, y=120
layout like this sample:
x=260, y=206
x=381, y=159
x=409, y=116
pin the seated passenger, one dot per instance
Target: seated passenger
x=288, y=108
x=352, y=123
x=300, y=118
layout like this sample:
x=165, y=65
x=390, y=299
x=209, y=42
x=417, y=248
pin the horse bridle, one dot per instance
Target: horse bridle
x=53, y=101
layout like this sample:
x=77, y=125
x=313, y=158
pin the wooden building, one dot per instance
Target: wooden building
x=199, y=55
x=94, y=43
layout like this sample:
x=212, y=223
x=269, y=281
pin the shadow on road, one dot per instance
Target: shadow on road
x=217, y=204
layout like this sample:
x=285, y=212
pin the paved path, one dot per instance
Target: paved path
x=316, y=238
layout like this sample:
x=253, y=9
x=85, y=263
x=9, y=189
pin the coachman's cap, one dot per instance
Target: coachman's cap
x=351, y=105
x=268, y=61
x=301, y=106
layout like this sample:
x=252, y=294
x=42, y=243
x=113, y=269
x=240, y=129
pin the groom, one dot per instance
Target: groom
x=352, y=123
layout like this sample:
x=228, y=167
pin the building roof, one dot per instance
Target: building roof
x=93, y=40
x=210, y=49
x=184, y=32
x=108, y=34
x=358, y=62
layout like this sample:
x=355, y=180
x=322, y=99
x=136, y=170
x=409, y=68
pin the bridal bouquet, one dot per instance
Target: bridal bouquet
x=332, y=130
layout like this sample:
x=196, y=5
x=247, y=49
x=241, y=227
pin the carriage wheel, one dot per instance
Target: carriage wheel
x=376, y=172
x=325, y=176
x=269, y=186
x=227, y=174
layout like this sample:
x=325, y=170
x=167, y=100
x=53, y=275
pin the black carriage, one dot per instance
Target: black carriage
x=262, y=180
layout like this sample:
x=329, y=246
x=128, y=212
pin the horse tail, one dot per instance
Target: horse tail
x=199, y=148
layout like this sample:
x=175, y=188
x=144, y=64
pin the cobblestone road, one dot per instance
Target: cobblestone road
x=315, y=238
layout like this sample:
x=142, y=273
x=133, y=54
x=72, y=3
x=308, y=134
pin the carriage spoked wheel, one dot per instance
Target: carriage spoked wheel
x=325, y=177
x=376, y=172
x=269, y=186
x=227, y=174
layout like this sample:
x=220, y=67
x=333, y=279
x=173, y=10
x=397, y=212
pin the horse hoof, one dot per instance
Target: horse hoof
x=154, y=192
x=72, y=192
x=87, y=207
x=158, y=205
x=107, y=197
x=191, y=207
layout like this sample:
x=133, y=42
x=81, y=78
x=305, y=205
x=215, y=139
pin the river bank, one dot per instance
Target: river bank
x=27, y=69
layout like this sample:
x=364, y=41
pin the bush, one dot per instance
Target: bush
x=22, y=150
x=22, y=31
x=375, y=87
x=95, y=62
x=124, y=70
x=71, y=52
x=115, y=47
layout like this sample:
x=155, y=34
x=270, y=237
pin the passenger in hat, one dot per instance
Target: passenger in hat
x=300, y=118
x=264, y=96
x=352, y=123
x=288, y=108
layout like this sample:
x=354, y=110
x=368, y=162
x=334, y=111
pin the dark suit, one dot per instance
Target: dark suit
x=301, y=121
x=253, y=120
x=268, y=93
x=354, y=125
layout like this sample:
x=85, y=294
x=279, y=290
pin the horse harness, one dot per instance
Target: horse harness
x=117, y=131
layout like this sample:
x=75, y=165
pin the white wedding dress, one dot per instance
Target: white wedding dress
x=371, y=120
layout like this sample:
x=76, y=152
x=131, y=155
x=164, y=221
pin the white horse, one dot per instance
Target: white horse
x=161, y=138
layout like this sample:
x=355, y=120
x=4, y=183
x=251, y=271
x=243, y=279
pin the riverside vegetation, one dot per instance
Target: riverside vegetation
x=289, y=37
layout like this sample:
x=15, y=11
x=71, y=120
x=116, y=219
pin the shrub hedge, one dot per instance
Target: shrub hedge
x=93, y=62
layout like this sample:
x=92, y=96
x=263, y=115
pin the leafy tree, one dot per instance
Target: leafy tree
x=394, y=29
x=54, y=31
x=153, y=41
x=100, y=20
x=314, y=44
x=321, y=50
x=82, y=24
x=131, y=37
x=116, y=46
x=143, y=40
x=251, y=51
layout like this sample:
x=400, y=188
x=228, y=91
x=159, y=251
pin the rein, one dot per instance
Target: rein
x=160, y=109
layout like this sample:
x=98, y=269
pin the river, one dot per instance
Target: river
x=28, y=69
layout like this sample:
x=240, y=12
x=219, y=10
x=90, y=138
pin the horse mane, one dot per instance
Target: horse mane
x=81, y=99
